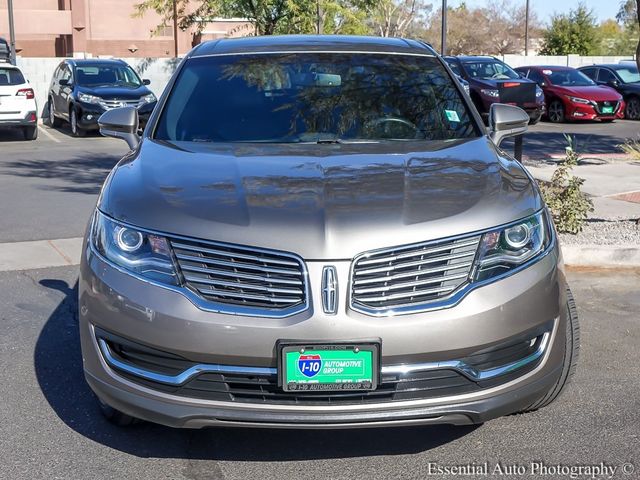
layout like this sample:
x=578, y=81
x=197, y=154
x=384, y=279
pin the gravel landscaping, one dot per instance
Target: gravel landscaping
x=602, y=232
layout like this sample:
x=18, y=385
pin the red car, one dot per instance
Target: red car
x=571, y=95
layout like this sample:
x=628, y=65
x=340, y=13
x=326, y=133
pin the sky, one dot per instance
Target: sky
x=603, y=9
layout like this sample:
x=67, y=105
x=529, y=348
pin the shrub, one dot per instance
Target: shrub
x=569, y=206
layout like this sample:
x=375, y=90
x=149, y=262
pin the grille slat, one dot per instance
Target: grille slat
x=116, y=103
x=265, y=281
x=411, y=275
x=244, y=276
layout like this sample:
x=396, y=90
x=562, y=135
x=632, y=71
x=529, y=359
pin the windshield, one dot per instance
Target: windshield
x=11, y=76
x=490, y=69
x=314, y=97
x=94, y=75
x=568, y=78
x=629, y=74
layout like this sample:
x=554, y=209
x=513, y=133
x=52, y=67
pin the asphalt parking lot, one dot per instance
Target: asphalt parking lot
x=52, y=428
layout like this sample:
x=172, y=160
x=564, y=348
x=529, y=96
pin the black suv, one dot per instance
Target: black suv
x=5, y=51
x=82, y=90
x=624, y=78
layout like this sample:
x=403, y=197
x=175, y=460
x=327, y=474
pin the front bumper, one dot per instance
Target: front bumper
x=164, y=319
x=576, y=111
x=89, y=113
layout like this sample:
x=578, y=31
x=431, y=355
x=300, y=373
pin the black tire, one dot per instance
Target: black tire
x=571, y=354
x=30, y=133
x=53, y=120
x=632, y=109
x=76, y=131
x=117, y=417
x=555, y=112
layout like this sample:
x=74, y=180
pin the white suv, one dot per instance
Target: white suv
x=18, y=107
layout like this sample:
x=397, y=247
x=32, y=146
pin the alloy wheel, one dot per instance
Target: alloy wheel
x=632, y=111
x=556, y=112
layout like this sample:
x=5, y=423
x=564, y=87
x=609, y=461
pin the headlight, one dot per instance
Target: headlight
x=579, y=100
x=86, y=98
x=139, y=252
x=489, y=92
x=507, y=248
x=539, y=92
x=149, y=98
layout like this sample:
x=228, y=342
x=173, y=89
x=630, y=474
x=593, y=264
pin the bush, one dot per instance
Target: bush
x=568, y=205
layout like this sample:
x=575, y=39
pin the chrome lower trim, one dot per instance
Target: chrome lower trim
x=457, y=365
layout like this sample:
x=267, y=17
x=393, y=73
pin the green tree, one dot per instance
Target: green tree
x=572, y=33
x=629, y=16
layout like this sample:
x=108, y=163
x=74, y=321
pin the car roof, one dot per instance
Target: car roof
x=614, y=66
x=476, y=58
x=94, y=61
x=306, y=43
x=8, y=65
x=547, y=67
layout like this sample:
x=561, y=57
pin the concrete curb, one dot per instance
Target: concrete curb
x=602, y=256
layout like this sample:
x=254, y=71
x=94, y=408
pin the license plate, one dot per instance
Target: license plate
x=329, y=367
x=607, y=109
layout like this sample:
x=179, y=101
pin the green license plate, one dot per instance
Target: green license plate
x=329, y=367
x=607, y=109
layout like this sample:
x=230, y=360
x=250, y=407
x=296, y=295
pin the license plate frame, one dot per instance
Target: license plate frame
x=607, y=110
x=289, y=353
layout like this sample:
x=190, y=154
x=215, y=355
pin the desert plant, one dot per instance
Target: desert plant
x=631, y=148
x=569, y=206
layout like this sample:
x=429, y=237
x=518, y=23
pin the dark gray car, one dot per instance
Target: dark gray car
x=318, y=232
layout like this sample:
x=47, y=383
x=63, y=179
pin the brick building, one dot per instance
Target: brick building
x=59, y=28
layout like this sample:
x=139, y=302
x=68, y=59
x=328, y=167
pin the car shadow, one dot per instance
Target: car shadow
x=11, y=134
x=58, y=369
x=77, y=174
x=546, y=146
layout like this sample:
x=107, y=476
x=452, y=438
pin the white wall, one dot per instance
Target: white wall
x=39, y=71
x=159, y=70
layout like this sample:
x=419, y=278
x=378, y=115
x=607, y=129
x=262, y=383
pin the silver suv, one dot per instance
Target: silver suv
x=319, y=232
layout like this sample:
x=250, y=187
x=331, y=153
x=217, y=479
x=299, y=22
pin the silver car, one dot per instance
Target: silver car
x=318, y=232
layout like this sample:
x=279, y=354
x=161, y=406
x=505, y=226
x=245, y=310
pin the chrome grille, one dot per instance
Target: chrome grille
x=255, y=280
x=411, y=275
x=601, y=105
x=116, y=103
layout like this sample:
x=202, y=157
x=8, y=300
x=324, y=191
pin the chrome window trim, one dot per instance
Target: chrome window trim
x=400, y=369
x=193, y=297
x=455, y=297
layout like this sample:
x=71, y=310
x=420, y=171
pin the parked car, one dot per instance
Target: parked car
x=5, y=51
x=318, y=231
x=18, y=108
x=624, y=78
x=492, y=81
x=82, y=90
x=571, y=95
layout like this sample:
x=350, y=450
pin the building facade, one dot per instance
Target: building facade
x=61, y=28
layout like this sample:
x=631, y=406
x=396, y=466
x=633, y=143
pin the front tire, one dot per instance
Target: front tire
x=632, y=109
x=76, y=131
x=30, y=133
x=571, y=353
x=117, y=417
x=555, y=113
x=53, y=121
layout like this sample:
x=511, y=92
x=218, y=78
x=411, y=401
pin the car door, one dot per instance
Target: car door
x=65, y=92
x=608, y=78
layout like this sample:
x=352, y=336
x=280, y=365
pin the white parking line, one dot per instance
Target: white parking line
x=40, y=254
x=49, y=135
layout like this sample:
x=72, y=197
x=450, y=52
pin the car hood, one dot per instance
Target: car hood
x=109, y=92
x=319, y=201
x=597, y=93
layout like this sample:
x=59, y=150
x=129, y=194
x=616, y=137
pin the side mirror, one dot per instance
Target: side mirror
x=146, y=81
x=506, y=121
x=613, y=83
x=121, y=123
x=543, y=84
x=64, y=82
